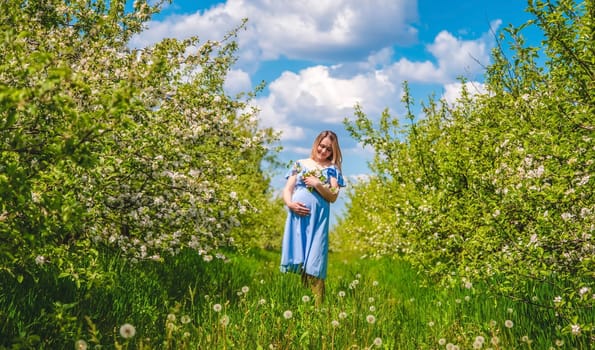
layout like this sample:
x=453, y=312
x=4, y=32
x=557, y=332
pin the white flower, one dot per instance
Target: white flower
x=80, y=345
x=371, y=319
x=575, y=329
x=127, y=331
x=245, y=289
x=217, y=307
x=288, y=314
x=262, y=302
x=40, y=260
x=441, y=341
x=566, y=216
x=342, y=315
x=341, y=294
x=508, y=324
x=224, y=320
x=335, y=323
x=306, y=298
x=377, y=341
x=557, y=299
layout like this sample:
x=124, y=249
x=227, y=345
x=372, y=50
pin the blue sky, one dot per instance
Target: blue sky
x=321, y=57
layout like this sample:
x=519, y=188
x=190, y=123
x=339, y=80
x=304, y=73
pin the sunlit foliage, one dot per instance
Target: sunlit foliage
x=498, y=186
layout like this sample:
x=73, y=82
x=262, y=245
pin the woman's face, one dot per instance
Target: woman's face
x=324, y=150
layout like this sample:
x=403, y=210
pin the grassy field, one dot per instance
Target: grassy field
x=243, y=302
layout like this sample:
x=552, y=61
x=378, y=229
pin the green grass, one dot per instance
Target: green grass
x=245, y=302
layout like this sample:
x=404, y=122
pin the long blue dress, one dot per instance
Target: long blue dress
x=305, y=240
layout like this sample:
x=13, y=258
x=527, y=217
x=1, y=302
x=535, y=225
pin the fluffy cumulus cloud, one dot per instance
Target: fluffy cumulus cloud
x=314, y=96
x=297, y=29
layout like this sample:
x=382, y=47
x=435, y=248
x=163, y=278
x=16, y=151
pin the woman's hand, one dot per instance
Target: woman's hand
x=312, y=181
x=299, y=208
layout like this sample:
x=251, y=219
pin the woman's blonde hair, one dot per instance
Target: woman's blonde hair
x=336, y=156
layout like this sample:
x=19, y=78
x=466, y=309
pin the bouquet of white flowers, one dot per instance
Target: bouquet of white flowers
x=316, y=173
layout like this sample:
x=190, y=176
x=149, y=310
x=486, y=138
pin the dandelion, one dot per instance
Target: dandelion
x=431, y=323
x=584, y=291
x=371, y=319
x=441, y=341
x=171, y=318
x=224, y=320
x=245, y=289
x=557, y=300
x=306, y=298
x=480, y=339
x=458, y=301
x=559, y=342
x=217, y=307
x=375, y=283
x=80, y=345
x=207, y=258
x=335, y=323
x=377, y=341
x=288, y=314
x=477, y=345
x=450, y=346
x=262, y=302
x=508, y=324
x=342, y=315
x=495, y=340
x=467, y=298
x=372, y=308
x=510, y=310
x=371, y=300
x=468, y=285
x=341, y=294
x=575, y=329
x=127, y=331
x=185, y=319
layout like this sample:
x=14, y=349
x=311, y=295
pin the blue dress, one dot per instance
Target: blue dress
x=305, y=240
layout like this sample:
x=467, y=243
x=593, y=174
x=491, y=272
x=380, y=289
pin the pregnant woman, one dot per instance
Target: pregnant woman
x=312, y=184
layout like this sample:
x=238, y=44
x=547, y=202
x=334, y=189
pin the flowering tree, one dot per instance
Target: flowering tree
x=499, y=186
x=103, y=144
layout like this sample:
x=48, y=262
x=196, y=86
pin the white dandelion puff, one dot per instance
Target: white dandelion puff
x=127, y=331
x=80, y=345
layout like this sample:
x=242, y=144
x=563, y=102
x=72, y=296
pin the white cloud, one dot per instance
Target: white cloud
x=452, y=58
x=453, y=91
x=307, y=29
x=237, y=81
x=315, y=96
